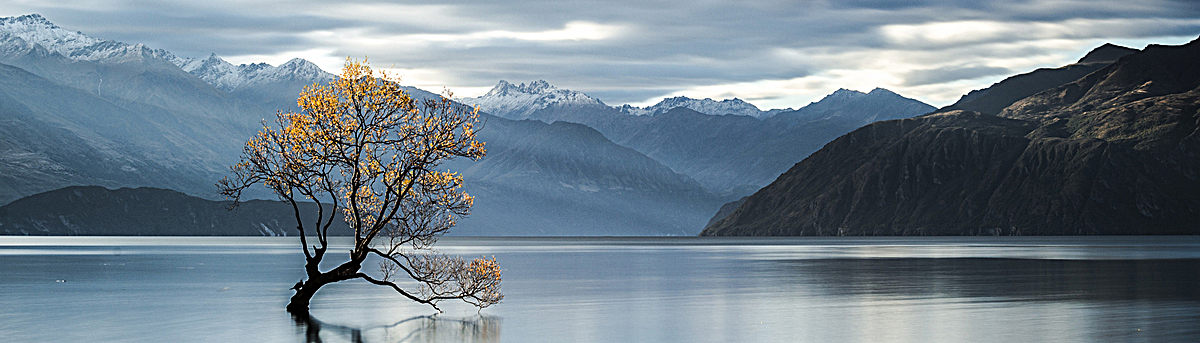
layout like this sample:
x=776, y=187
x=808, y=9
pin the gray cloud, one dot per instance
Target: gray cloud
x=948, y=74
x=658, y=48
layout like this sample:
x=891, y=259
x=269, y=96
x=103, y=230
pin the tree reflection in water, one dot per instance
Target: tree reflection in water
x=433, y=328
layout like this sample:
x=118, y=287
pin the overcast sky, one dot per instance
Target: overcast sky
x=774, y=54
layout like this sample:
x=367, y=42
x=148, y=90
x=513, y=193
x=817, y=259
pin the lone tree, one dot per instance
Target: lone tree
x=371, y=151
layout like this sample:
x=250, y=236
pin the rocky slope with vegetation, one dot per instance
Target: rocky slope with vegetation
x=1114, y=152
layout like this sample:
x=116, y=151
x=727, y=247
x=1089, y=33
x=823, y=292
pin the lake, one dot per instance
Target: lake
x=688, y=289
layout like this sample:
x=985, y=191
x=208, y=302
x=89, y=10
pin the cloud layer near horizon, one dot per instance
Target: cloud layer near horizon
x=772, y=53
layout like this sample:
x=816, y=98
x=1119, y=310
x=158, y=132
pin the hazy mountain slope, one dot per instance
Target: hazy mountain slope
x=35, y=157
x=92, y=111
x=993, y=99
x=96, y=211
x=60, y=136
x=1114, y=152
x=735, y=155
x=568, y=179
x=720, y=152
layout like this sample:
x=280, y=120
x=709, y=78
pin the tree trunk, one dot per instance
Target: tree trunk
x=299, y=303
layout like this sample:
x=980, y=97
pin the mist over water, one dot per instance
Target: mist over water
x=694, y=289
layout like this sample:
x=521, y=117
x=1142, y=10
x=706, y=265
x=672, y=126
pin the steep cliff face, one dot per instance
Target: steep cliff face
x=1114, y=152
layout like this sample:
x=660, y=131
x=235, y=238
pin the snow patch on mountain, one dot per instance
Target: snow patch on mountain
x=733, y=106
x=520, y=101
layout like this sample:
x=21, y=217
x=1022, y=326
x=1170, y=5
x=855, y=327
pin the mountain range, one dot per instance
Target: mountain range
x=729, y=154
x=733, y=106
x=1112, y=151
x=100, y=112
x=85, y=111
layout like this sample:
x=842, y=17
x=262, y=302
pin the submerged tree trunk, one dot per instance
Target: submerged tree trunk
x=306, y=289
x=299, y=303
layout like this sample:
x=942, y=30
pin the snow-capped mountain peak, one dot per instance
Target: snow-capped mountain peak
x=31, y=31
x=302, y=67
x=504, y=88
x=229, y=77
x=35, y=29
x=733, y=106
x=520, y=101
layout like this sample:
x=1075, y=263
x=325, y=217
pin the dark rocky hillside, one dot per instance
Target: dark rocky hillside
x=994, y=99
x=1113, y=152
x=97, y=211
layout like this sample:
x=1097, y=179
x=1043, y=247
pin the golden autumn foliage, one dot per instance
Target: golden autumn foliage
x=364, y=147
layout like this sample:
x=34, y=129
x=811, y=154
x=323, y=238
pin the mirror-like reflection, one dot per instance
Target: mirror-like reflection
x=423, y=329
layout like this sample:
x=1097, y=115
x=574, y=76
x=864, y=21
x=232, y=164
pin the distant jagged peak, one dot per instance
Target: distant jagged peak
x=190, y=64
x=32, y=18
x=537, y=87
x=846, y=91
x=708, y=106
x=843, y=94
x=519, y=101
x=877, y=104
x=1106, y=53
x=229, y=77
x=839, y=96
x=504, y=88
x=36, y=29
x=683, y=100
x=32, y=29
x=882, y=92
x=19, y=34
x=301, y=66
x=31, y=32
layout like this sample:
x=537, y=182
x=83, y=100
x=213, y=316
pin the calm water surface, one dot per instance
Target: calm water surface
x=970, y=289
